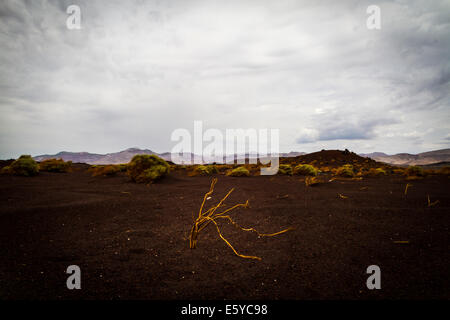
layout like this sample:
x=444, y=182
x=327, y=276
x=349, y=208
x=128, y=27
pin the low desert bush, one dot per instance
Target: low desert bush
x=415, y=171
x=239, y=172
x=345, y=171
x=24, y=166
x=306, y=170
x=205, y=170
x=145, y=168
x=55, y=165
x=285, y=169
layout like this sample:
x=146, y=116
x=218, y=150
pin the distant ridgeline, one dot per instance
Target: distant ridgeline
x=433, y=158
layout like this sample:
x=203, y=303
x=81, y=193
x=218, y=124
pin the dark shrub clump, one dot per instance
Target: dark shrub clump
x=55, y=165
x=24, y=166
x=239, y=172
x=306, y=170
x=415, y=171
x=145, y=168
x=285, y=169
x=345, y=171
x=205, y=170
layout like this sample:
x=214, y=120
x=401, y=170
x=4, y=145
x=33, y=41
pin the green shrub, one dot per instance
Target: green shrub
x=205, y=170
x=239, y=172
x=285, y=169
x=306, y=170
x=345, y=171
x=415, y=171
x=145, y=168
x=55, y=165
x=24, y=166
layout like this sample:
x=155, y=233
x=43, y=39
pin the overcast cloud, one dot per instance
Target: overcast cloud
x=137, y=70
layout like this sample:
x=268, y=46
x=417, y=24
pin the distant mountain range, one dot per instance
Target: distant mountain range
x=126, y=155
x=402, y=159
x=95, y=158
x=406, y=159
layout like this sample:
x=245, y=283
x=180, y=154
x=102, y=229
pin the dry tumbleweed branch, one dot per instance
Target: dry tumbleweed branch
x=430, y=204
x=406, y=188
x=211, y=215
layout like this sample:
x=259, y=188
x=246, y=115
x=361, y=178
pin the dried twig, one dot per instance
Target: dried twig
x=430, y=204
x=310, y=181
x=211, y=215
x=406, y=188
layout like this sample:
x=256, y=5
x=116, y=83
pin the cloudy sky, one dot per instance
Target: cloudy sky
x=138, y=70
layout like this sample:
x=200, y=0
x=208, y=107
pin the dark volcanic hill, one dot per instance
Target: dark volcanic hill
x=332, y=158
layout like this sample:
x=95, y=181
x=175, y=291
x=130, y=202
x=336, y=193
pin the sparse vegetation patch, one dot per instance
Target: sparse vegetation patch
x=285, y=169
x=239, y=172
x=305, y=170
x=345, y=171
x=24, y=166
x=205, y=170
x=415, y=171
x=145, y=168
x=55, y=165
